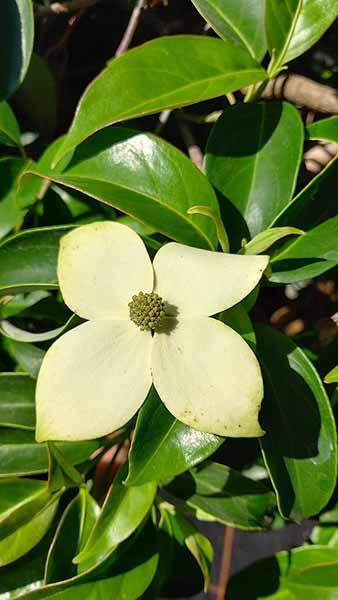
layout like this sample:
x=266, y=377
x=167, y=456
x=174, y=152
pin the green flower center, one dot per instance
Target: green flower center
x=146, y=310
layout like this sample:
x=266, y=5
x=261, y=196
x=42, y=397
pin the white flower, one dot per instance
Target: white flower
x=95, y=377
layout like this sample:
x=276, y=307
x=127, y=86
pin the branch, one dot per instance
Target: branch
x=303, y=92
x=61, y=8
x=131, y=28
x=194, y=150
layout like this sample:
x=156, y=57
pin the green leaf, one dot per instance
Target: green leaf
x=16, y=43
x=163, y=447
x=293, y=26
x=145, y=177
x=77, y=520
x=238, y=319
x=320, y=582
x=299, y=447
x=185, y=533
x=27, y=356
x=221, y=494
x=315, y=202
x=252, y=159
x=308, y=255
x=28, y=534
x=21, y=455
x=262, y=241
x=326, y=530
x=21, y=266
x=9, y=128
x=165, y=73
x=18, y=499
x=332, y=376
x=14, y=305
x=36, y=98
x=128, y=579
x=17, y=401
x=20, y=335
x=272, y=577
x=123, y=511
x=11, y=214
x=325, y=129
x=239, y=21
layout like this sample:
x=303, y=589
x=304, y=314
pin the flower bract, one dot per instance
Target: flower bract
x=148, y=324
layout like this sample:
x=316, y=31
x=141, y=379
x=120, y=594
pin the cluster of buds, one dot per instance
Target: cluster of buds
x=146, y=310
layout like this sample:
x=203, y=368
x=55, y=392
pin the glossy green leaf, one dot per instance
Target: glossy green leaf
x=252, y=159
x=14, y=305
x=145, y=177
x=332, y=376
x=299, y=447
x=239, y=21
x=27, y=356
x=263, y=240
x=21, y=455
x=28, y=534
x=18, y=499
x=185, y=533
x=21, y=335
x=326, y=530
x=238, y=319
x=16, y=43
x=128, y=579
x=77, y=520
x=9, y=128
x=324, y=129
x=163, y=447
x=315, y=202
x=11, y=214
x=165, y=73
x=272, y=577
x=293, y=26
x=36, y=98
x=308, y=255
x=123, y=511
x=21, y=266
x=17, y=401
x=219, y=493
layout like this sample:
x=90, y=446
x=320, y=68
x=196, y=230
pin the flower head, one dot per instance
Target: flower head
x=148, y=323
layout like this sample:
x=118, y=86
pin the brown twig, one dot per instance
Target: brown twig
x=229, y=534
x=317, y=157
x=131, y=28
x=194, y=150
x=303, y=92
x=61, y=8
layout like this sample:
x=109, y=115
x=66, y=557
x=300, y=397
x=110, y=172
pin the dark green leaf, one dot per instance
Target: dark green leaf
x=239, y=21
x=127, y=580
x=308, y=255
x=21, y=335
x=11, y=214
x=164, y=73
x=263, y=240
x=325, y=129
x=21, y=455
x=292, y=27
x=272, y=577
x=71, y=534
x=299, y=447
x=16, y=43
x=12, y=306
x=185, y=533
x=123, y=511
x=36, y=98
x=9, y=128
x=163, y=447
x=238, y=319
x=28, y=534
x=145, y=177
x=219, y=493
x=315, y=202
x=17, y=401
x=27, y=356
x=252, y=159
x=28, y=260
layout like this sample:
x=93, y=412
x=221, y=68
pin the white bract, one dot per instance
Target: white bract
x=94, y=378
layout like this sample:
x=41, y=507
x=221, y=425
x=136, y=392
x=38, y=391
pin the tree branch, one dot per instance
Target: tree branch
x=61, y=8
x=131, y=28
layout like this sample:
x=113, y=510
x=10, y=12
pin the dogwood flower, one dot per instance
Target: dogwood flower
x=148, y=324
